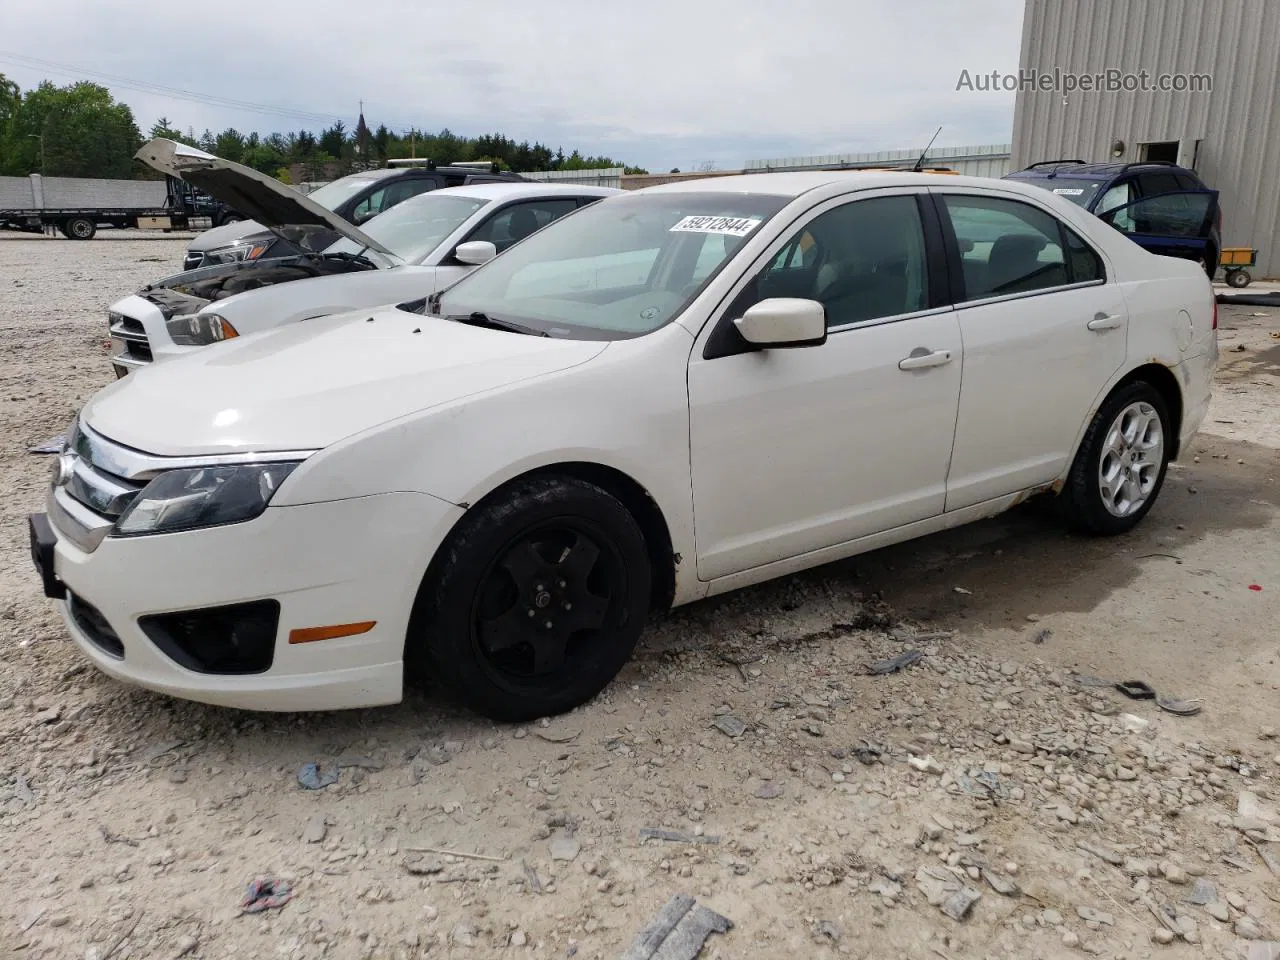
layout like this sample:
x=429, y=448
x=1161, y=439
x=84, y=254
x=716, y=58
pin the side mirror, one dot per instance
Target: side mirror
x=784, y=322
x=475, y=252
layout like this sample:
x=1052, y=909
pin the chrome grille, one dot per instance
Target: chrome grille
x=89, y=494
x=130, y=337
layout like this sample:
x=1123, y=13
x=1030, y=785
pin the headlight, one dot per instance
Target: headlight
x=202, y=497
x=236, y=252
x=199, y=329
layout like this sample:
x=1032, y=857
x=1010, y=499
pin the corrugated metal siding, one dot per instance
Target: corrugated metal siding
x=989, y=160
x=1237, y=42
x=603, y=177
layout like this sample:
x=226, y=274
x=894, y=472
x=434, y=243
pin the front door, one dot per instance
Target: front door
x=1043, y=334
x=794, y=450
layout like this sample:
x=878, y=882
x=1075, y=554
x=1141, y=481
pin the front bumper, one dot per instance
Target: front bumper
x=342, y=562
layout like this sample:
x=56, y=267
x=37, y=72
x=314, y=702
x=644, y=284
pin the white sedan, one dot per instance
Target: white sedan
x=667, y=395
x=417, y=247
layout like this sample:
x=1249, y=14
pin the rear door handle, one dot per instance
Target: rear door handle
x=922, y=361
x=1105, y=321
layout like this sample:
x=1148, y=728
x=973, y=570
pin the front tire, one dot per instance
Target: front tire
x=1121, y=464
x=535, y=601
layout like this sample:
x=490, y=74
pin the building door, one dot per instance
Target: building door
x=1163, y=152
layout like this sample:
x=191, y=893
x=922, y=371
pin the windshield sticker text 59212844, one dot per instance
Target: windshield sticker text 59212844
x=729, y=226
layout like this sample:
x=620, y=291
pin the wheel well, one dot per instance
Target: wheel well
x=641, y=506
x=1166, y=383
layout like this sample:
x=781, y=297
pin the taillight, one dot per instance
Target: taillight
x=1215, y=314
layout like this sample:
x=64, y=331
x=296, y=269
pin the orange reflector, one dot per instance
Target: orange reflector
x=228, y=331
x=312, y=634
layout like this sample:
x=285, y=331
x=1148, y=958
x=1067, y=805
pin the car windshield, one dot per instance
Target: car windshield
x=414, y=228
x=1076, y=189
x=619, y=268
x=331, y=195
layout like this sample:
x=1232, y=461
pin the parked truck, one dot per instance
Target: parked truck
x=78, y=206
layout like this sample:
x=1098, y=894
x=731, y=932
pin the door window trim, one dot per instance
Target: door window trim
x=935, y=261
x=957, y=267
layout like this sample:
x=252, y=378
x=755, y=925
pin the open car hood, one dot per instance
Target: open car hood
x=281, y=209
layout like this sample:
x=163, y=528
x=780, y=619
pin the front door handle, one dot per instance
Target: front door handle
x=1105, y=321
x=921, y=361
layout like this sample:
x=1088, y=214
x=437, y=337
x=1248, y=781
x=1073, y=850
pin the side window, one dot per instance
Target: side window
x=862, y=261
x=402, y=190
x=1168, y=215
x=1005, y=246
x=369, y=207
x=512, y=224
x=1154, y=184
x=1083, y=261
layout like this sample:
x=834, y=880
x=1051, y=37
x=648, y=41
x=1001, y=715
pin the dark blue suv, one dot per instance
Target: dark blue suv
x=1161, y=206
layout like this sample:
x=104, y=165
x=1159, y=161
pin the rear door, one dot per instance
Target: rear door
x=1177, y=224
x=1043, y=332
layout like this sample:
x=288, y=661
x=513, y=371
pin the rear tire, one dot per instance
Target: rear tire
x=1121, y=464
x=1238, y=278
x=534, y=602
x=79, y=228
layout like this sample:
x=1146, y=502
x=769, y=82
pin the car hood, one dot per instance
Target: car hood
x=281, y=209
x=307, y=385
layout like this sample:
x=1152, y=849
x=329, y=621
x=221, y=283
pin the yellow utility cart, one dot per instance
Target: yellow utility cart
x=1235, y=263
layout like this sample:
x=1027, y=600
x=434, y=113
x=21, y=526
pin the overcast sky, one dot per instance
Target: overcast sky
x=658, y=83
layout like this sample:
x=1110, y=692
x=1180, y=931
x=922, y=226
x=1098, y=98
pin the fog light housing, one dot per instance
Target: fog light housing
x=230, y=640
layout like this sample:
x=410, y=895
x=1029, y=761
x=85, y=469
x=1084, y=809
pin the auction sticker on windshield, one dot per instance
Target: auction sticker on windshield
x=729, y=226
x=1068, y=191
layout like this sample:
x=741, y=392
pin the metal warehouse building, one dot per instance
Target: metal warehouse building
x=1230, y=133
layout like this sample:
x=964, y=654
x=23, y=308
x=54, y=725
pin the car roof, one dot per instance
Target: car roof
x=1094, y=171
x=512, y=190
x=794, y=184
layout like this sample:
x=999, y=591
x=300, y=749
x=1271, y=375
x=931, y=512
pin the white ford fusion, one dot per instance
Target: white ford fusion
x=663, y=396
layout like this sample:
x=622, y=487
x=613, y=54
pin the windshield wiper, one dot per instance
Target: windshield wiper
x=352, y=257
x=478, y=319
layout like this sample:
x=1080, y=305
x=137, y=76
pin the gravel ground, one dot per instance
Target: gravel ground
x=986, y=801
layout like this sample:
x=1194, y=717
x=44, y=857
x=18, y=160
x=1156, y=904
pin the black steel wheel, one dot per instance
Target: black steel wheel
x=80, y=228
x=535, y=602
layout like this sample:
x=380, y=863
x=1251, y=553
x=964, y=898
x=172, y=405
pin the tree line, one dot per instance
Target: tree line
x=80, y=130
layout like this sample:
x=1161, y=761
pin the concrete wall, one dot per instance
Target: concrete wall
x=1237, y=122
x=603, y=177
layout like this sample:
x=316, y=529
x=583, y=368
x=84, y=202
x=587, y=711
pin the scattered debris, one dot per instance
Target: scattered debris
x=52, y=445
x=1001, y=884
x=1133, y=723
x=421, y=865
x=1182, y=708
x=958, y=905
x=769, y=791
x=674, y=836
x=828, y=929
x=894, y=664
x=1202, y=893
x=456, y=853
x=678, y=932
x=1090, y=915
x=315, y=829
x=962, y=590
x=531, y=877
x=924, y=764
x=312, y=777
x=1042, y=635
x=1101, y=852
x=265, y=893
x=729, y=725
x=553, y=736
x=1136, y=689
x=110, y=837
x=565, y=847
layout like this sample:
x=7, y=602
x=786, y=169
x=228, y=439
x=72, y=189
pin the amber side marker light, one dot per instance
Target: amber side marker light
x=312, y=634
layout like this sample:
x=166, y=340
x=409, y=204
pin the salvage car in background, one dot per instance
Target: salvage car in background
x=414, y=249
x=1158, y=205
x=356, y=198
x=670, y=394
